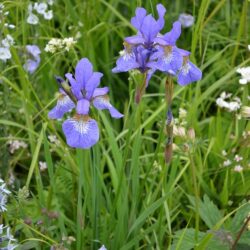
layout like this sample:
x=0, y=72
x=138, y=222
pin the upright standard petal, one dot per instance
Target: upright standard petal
x=92, y=84
x=137, y=20
x=83, y=71
x=161, y=12
x=189, y=73
x=64, y=105
x=172, y=36
x=149, y=30
x=102, y=102
x=81, y=131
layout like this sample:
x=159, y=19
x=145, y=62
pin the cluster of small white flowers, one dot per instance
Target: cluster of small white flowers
x=3, y=196
x=237, y=158
x=231, y=106
x=40, y=8
x=53, y=139
x=6, y=13
x=57, y=44
x=15, y=145
x=42, y=166
x=6, y=43
x=6, y=236
x=245, y=75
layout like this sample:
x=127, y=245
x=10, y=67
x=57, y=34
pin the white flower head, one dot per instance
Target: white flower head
x=32, y=19
x=40, y=8
x=224, y=153
x=15, y=145
x=238, y=168
x=182, y=113
x=42, y=166
x=102, y=248
x=4, y=54
x=8, y=41
x=69, y=43
x=227, y=163
x=48, y=15
x=245, y=75
x=186, y=20
x=238, y=158
x=50, y=2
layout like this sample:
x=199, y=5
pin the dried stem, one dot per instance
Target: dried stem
x=240, y=233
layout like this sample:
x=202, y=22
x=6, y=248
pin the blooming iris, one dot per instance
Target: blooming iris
x=81, y=92
x=149, y=50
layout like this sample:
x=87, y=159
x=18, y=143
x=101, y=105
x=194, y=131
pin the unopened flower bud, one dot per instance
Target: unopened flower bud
x=191, y=134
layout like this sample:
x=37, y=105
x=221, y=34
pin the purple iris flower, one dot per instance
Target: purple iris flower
x=169, y=58
x=33, y=58
x=139, y=50
x=81, y=91
x=188, y=72
x=148, y=28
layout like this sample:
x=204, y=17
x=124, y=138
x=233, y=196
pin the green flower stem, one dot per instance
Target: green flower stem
x=169, y=88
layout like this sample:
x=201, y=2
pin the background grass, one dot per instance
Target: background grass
x=120, y=193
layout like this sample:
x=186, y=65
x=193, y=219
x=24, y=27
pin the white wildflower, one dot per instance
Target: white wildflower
x=57, y=44
x=3, y=196
x=15, y=145
x=227, y=163
x=50, y=2
x=42, y=166
x=102, y=248
x=30, y=8
x=48, y=15
x=238, y=158
x=32, y=19
x=4, y=54
x=8, y=41
x=11, y=26
x=40, y=8
x=245, y=111
x=186, y=20
x=224, y=153
x=53, y=139
x=182, y=113
x=248, y=47
x=54, y=45
x=69, y=43
x=245, y=75
x=230, y=106
x=238, y=168
x=233, y=106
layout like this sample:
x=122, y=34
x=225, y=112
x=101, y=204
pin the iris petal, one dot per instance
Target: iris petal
x=81, y=132
x=64, y=105
x=102, y=102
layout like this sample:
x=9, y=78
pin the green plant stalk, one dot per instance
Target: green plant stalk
x=169, y=88
x=95, y=193
x=196, y=193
